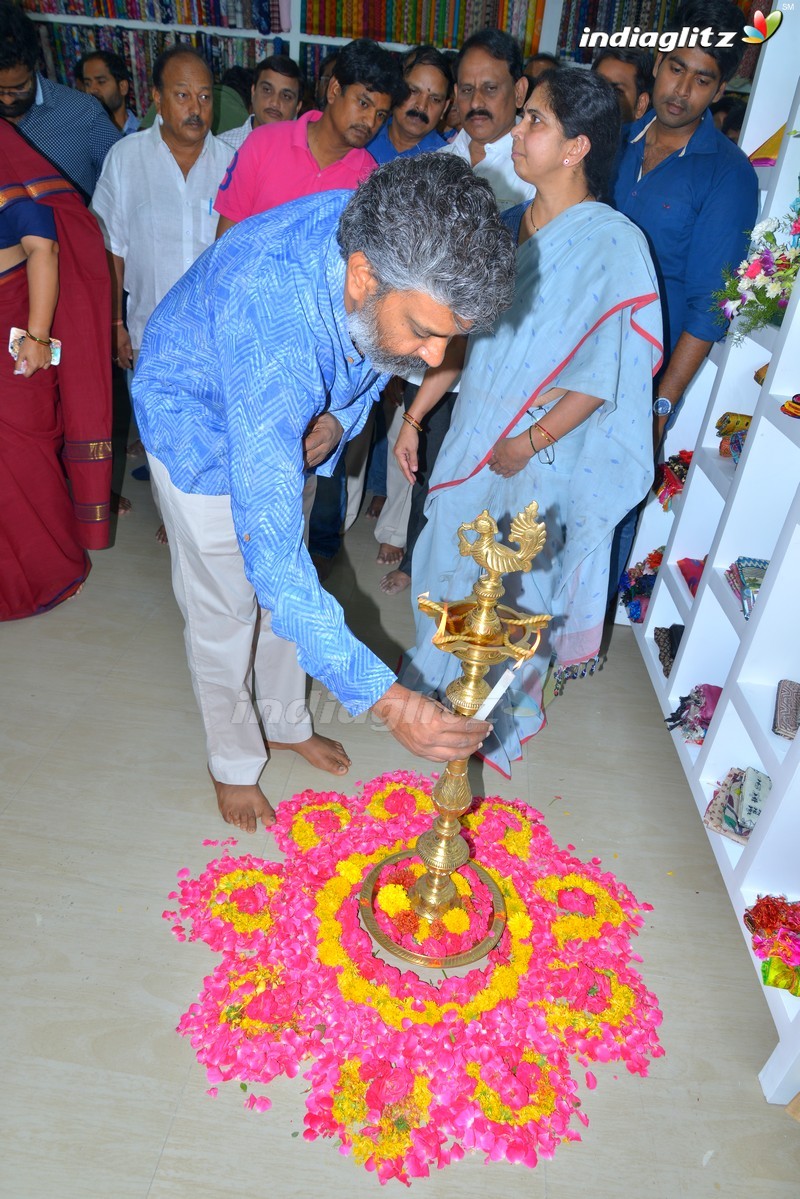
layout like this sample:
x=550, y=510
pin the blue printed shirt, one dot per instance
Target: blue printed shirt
x=237, y=359
x=696, y=209
x=382, y=148
x=72, y=129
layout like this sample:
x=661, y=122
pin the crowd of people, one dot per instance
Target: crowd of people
x=451, y=280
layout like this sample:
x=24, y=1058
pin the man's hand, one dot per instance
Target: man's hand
x=121, y=347
x=426, y=728
x=321, y=437
x=510, y=455
x=406, y=451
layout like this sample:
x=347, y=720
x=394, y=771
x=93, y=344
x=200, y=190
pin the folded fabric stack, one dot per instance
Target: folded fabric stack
x=774, y=923
x=737, y=803
x=745, y=577
x=691, y=569
x=636, y=585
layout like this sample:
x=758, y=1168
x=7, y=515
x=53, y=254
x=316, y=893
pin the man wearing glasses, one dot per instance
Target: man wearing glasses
x=68, y=127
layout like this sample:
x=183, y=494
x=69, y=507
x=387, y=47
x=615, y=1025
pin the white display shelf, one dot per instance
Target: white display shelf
x=752, y=510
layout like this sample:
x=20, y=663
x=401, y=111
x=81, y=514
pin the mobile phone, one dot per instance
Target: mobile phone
x=15, y=342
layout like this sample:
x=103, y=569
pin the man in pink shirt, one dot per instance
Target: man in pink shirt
x=320, y=151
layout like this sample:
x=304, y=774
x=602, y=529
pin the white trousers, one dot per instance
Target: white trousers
x=234, y=656
x=392, y=525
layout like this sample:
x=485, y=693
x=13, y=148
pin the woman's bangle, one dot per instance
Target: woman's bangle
x=409, y=419
x=119, y=322
x=42, y=341
x=550, y=439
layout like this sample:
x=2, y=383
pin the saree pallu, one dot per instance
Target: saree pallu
x=74, y=420
x=585, y=318
x=41, y=559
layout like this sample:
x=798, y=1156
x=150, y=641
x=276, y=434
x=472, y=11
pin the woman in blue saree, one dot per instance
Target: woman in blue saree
x=555, y=405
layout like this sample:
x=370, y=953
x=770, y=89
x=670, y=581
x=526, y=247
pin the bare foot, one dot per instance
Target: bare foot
x=375, y=507
x=243, y=805
x=161, y=535
x=119, y=504
x=136, y=449
x=320, y=751
x=389, y=554
x=395, y=582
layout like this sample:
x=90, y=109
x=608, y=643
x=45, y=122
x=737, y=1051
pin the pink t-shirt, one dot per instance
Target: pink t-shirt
x=274, y=165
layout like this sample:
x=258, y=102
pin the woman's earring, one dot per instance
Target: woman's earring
x=566, y=162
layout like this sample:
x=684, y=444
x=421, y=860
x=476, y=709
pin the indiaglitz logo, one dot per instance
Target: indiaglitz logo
x=690, y=36
x=763, y=27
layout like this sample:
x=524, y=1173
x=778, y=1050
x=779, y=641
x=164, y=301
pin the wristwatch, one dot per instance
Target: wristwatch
x=662, y=406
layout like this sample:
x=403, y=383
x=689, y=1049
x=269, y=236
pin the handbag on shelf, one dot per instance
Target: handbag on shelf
x=668, y=641
x=787, y=709
x=737, y=803
x=694, y=712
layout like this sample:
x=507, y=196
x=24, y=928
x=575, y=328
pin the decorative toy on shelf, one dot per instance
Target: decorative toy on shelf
x=745, y=577
x=774, y=922
x=760, y=375
x=671, y=476
x=757, y=292
x=737, y=803
x=792, y=406
x=732, y=422
x=636, y=585
x=693, y=714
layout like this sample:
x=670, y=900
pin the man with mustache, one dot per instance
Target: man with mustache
x=154, y=199
x=106, y=77
x=276, y=95
x=413, y=125
x=235, y=395
x=319, y=151
x=695, y=196
x=490, y=87
x=70, y=129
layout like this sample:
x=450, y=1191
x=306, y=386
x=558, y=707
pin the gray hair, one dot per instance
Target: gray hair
x=429, y=224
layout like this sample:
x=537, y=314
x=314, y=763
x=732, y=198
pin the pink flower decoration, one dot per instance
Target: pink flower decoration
x=410, y=1075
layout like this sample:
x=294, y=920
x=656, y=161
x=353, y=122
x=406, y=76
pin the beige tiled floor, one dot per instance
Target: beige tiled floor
x=103, y=796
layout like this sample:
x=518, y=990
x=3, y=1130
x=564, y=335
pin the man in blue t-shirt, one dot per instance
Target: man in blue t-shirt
x=691, y=190
x=695, y=196
x=412, y=127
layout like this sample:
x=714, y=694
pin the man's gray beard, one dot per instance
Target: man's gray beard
x=362, y=325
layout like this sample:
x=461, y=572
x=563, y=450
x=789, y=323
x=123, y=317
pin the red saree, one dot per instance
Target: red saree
x=55, y=426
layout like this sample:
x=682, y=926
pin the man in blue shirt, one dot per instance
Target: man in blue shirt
x=695, y=196
x=691, y=190
x=234, y=395
x=412, y=127
x=105, y=76
x=69, y=128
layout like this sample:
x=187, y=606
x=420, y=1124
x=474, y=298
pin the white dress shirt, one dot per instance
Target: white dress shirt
x=235, y=137
x=497, y=168
x=155, y=219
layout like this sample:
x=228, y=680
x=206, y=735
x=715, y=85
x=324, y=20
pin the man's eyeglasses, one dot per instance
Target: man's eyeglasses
x=19, y=90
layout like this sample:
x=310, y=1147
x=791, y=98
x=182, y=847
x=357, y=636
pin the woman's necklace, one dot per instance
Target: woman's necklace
x=529, y=210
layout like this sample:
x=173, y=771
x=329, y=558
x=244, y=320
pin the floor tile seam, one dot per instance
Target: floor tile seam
x=171, y=1125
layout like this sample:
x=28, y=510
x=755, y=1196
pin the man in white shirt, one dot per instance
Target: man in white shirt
x=276, y=95
x=490, y=87
x=155, y=197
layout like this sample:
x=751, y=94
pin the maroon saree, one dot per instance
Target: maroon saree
x=55, y=428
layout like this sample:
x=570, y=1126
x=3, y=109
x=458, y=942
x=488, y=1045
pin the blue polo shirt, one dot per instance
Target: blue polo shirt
x=697, y=208
x=382, y=149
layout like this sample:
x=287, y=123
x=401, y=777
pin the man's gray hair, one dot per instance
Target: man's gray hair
x=429, y=224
